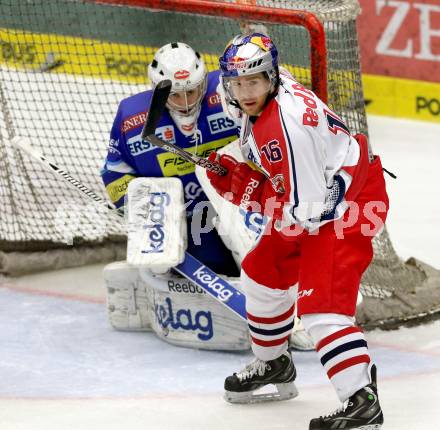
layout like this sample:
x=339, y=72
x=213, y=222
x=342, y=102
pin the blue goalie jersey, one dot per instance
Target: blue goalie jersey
x=129, y=157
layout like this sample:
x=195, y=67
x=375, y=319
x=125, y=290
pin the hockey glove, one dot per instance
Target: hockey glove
x=241, y=185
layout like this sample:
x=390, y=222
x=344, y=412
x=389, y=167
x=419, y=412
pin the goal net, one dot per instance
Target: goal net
x=65, y=65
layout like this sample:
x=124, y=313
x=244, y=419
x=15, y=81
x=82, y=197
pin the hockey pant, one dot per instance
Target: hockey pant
x=320, y=273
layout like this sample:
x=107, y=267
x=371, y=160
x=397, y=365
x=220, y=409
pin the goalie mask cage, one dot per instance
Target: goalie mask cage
x=65, y=65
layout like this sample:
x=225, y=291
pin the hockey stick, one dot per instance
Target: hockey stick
x=217, y=287
x=25, y=146
x=191, y=268
x=157, y=106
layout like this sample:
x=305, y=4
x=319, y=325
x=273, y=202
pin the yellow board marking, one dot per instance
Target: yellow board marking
x=128, y=63
x=402, y=98
x=78, y=56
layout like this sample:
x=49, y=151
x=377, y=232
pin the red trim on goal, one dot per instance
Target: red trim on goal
x=318, y=51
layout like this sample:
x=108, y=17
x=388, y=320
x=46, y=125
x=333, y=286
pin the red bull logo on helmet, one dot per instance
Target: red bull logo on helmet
x=264, y=42
x=236, y=63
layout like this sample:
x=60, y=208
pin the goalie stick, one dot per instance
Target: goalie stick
x=25, y=146
x=157, y=106
x=217, y=287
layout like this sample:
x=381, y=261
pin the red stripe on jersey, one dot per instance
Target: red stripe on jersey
x=348, y=363
x=266, y=129
x=271, y=320
x=337, y=335
x=268, y=343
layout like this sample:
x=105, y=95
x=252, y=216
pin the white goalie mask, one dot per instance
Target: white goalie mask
x=184, y=67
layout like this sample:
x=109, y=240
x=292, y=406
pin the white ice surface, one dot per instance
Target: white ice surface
x=63, y=367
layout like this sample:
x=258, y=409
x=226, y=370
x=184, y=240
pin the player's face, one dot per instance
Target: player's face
x=251, y=92
x=183, y=101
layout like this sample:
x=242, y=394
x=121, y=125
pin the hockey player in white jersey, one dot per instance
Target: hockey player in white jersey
x=326, y=200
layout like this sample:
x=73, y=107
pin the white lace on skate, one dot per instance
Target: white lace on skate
x=256, y=367
x=284, y=391
x=343, y=407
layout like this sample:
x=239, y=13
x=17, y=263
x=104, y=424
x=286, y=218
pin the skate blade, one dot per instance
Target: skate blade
x=370, y=427
x=284, y=392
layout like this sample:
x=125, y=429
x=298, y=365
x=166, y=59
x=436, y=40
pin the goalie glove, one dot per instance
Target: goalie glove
x=243, y=186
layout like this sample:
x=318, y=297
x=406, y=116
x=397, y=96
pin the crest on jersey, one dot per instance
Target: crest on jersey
x=166, y=133
x=278, y=183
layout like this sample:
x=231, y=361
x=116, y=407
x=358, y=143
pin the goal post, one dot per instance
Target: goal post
x=66, y=64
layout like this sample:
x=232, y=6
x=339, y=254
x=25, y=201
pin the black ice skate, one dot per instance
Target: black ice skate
x=360, y=412
x=240, y=387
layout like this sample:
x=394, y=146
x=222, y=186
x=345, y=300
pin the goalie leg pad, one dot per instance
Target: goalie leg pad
x=183, y=314
x=127, y=306
x=176, y=309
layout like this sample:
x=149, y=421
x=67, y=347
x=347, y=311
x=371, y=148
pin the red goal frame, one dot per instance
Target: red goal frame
x=240, y=11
